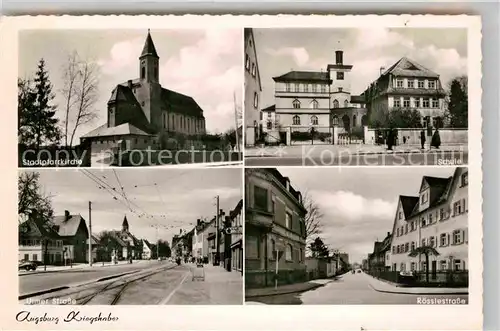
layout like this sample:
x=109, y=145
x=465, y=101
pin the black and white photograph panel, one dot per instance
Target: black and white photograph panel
x=129, y=97
x=370, y=236
x=346, y=96
x=111, y=237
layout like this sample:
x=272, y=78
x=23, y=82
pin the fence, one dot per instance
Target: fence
x=447, y=278
x=412, y=136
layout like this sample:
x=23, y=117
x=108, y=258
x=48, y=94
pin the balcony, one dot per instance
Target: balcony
x=302, y=94
x=259, y=218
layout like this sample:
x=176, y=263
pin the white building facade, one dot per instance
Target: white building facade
x=438, y=218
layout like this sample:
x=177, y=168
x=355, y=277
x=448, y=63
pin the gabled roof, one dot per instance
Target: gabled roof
x=180, y=103
x=409, y=68
x=149, y=47
x=46, y=229
x=408, y=203
x=147, y=243
x=120, y=130
x=67, y=227
x=358, y=99
x=309, y=76
x=270, y=108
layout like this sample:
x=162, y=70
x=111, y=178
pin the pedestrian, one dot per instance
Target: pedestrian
x=422, y=138
x=404, y=140
x=390, y=140
x=436, y=139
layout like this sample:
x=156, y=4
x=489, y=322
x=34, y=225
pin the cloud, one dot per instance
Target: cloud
x=123, y=55
x=350, y=206
x=299, y=54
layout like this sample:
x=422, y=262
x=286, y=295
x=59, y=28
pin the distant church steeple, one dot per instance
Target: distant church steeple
x=125, y=224
x=149, y=61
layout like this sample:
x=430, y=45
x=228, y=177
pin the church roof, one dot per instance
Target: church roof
x=408, y=204
x=120, y=130
x=310, y=76
x=125, y=222
x=149, y=47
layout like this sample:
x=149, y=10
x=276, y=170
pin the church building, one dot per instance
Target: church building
x=319, y=99
x=127, y=244
x=141, y=113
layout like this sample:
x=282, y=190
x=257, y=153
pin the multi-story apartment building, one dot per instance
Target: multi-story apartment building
x=406, y=85
x=319, y=99
x=378, y=259
x=253, y=89
x=40, y=241
x=236, y=223
x=437, y=217
x=274, y=229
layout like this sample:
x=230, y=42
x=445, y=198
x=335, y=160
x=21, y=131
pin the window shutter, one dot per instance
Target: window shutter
x=465, y=236
x=466, y=209
x=447, y=239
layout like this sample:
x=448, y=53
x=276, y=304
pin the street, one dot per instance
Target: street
x=152, y=283
x=349, y=289
x=429, y=158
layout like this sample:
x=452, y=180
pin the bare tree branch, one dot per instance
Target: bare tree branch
x=70, y=78
x=31, y=198
x=312, y=219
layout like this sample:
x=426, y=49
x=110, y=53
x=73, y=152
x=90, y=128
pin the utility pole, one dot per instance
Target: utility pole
x=90, y=233
x=217, y=239
x=157, y=242
x=236, y=122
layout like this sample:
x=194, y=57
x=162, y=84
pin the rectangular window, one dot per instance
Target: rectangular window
x=397, y=102
x=400, y=215
x=252, y=247
x=26, y=257
x=423, y=222
x=421, y=84
x=432, y=84
x=247, y=62
x=407, y=246
x=406, y=228
x=457, y=237
x=465, y=179
x=417, y=102
x=412, y=246
x=399, y=83
x=314, y=87
x=435, y=103
x=411, y=83
x=430, y=219
x=441, y=214
x=297, y=87
x=457, y=208
x=306, y=87
x=35, y=257
x=340, y=75
x=287, y=87
x=412, y=266
x=432, y=241
x=442, y=239
x=457, y=265
x=260, y=198
x=423, y=242
x=425, y=103
x=393, y=249
x=406, y=102
x=323, y=88
x=288, y=220
x=443, y=265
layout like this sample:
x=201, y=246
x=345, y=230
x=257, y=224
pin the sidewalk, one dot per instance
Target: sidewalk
x=345, y=150
x=75, y=266
x=389, y=287
x=286, y=289
x=218, y=287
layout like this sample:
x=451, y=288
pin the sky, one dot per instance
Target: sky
x=279, y=51
x=173, y=198
x=204, y=64
x=358, y=204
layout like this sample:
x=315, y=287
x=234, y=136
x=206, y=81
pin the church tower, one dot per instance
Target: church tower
x=149, y=92
x=125, y=224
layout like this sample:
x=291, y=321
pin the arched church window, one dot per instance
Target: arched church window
x=335, y=103
x=335, y=120
x=156, y=73
x=143, y=72
x=296, y=120
x=314, y=120
x=354, y=120
x=346, y=104
x=314, y=104
x=296, y=104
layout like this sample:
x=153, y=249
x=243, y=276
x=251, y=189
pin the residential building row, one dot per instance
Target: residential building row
x=253, y=90
x=64, y=239
x=436, y=218
x=218, y=241
x=275, y=236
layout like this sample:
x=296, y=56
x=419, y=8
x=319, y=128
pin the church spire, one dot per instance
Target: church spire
x=149, y=47
x=125, y=224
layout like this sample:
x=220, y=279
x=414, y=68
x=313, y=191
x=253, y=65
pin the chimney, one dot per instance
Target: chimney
x=198, y=222
x=129, y=83
x=382, y=69
x=388, y=234
x=66, y=215
x=339, y=57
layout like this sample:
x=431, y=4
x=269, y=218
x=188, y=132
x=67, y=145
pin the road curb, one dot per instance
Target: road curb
x=35, y=294
x=423, y=293
x=70, y=270
x=284, y=155
x=286, y=292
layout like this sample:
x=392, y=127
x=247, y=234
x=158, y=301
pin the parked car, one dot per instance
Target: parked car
x=27, y=265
